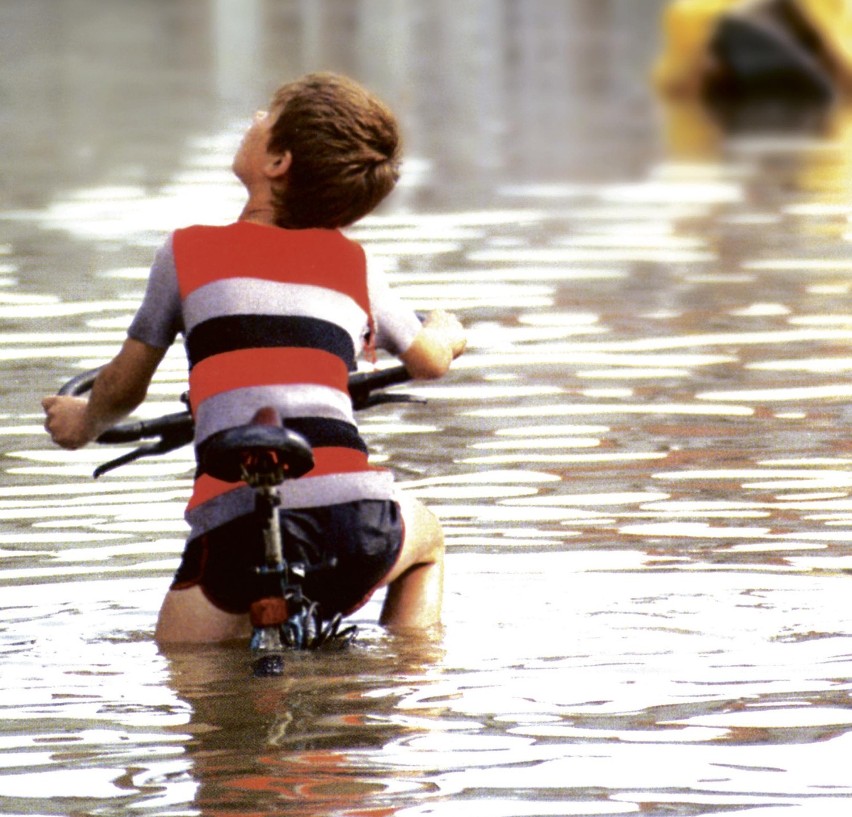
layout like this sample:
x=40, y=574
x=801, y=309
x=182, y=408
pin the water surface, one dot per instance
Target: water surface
x=641, y=464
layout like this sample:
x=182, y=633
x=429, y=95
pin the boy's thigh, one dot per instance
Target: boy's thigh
x=423, y=542
x=187, y=616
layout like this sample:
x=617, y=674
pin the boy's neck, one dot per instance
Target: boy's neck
x=259, y=203
x=259, y=214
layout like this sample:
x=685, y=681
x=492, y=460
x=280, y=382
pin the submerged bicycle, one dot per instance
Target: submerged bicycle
x=264, y=454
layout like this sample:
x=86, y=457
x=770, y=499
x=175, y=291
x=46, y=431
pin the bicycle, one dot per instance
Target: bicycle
x=264, y=454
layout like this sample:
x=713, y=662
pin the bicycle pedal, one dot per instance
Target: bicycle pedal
x=334, y=637
x=342, y=639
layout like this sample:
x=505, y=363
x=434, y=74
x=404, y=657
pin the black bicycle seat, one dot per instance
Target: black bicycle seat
x=263, y=443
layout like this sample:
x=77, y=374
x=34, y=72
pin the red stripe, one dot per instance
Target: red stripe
x=207, y=488
x=328, y=460
x=338, y=460
x=324, y=258
x=244, y=368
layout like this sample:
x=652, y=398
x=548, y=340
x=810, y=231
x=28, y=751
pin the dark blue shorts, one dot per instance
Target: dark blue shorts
x=365, y=538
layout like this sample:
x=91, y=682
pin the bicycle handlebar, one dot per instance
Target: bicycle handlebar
x=177, y=429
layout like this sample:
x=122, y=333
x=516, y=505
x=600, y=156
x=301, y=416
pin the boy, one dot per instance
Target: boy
x=274, y=309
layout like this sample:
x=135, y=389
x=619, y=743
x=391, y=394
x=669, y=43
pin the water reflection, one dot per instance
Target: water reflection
x=302, y=738
x=641, y=464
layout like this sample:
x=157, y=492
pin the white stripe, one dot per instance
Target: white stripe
x=310, y=492
x=236, y=407
x=255, y=296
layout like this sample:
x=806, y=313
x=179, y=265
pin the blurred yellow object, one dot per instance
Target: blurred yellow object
x=690, y=132
x=826, y=175
x=832, y=22
x=688, y=26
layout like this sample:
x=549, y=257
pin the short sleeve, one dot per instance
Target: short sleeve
x=158, y=320
x=396, y=323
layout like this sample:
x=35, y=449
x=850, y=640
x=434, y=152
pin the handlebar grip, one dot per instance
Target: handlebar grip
x=363, y=384
x=178, y=424
x=79, y=384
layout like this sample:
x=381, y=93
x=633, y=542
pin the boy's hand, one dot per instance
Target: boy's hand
x=438, y=343
x=120, y=386
x=450, y=328
x=66, y=420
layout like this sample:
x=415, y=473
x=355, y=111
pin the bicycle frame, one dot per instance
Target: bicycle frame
x=264, y=454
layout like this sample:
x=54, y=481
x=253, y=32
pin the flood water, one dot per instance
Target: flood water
x=642, y=464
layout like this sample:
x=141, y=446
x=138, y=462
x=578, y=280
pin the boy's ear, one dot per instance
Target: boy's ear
x=278, y=166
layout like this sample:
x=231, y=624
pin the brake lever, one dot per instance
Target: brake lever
x=148, y=450
x=168, y=442
x=383, y=397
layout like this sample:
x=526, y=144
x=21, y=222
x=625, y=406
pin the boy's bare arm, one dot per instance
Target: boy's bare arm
x=439, y=342
x=119, y=388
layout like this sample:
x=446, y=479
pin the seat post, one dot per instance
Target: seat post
x=267, y=503
x=263, y=454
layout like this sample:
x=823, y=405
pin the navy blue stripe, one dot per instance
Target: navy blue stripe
x=320, y=432
x=230, y=333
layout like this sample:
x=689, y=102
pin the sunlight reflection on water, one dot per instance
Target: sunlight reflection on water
x=641, y=465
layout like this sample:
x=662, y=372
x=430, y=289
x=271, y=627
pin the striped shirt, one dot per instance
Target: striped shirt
x=274, y=317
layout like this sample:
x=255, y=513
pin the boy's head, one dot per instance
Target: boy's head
x=345, y=150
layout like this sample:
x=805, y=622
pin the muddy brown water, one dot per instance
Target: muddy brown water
x=642, y=463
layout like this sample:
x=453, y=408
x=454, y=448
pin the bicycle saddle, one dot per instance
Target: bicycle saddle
x=264, y=445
